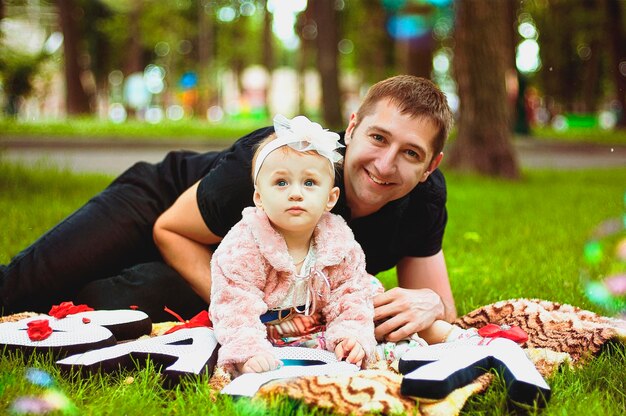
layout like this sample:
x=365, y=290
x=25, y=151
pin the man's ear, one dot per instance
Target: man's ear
x=433, y=165
x=256, y=197
x=350, y=129
x=333, y=197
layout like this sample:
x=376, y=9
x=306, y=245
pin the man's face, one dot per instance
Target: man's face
x=387, y=155
x=295, y=189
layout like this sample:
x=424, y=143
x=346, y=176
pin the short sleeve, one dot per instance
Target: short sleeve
x=227, y=189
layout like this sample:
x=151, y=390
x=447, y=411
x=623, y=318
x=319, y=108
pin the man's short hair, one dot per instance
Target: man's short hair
x=416, y=96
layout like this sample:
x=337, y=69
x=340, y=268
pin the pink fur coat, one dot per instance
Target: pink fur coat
x=252, y=272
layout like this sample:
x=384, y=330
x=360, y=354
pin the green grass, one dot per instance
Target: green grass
x=87, y=129
x=504, y=240
x=90, y=129
x=580, y=134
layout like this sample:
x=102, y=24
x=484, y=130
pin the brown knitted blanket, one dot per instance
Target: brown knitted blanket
x=558, y=333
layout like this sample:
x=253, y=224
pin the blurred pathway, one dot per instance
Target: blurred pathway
x=114, y=157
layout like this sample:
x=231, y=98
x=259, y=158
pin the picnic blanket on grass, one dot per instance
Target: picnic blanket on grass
x=558, y=334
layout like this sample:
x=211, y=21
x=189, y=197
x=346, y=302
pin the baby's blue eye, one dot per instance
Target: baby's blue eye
x=281, y=183
x=309, y=182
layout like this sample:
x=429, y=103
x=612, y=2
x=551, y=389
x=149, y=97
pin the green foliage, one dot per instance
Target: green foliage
x=17, y=71
x=573, y=48
x=504, y=240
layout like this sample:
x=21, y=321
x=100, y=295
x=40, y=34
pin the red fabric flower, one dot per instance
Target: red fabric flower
x=67, y=308
x=38, y=330
x=514, y=333
x=201, y=319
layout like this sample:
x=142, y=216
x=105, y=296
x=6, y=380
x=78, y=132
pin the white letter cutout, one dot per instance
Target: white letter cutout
x=435, y=371
x=186, y=351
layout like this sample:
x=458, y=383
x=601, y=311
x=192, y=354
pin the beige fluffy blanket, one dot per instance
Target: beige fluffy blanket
x=558, y=334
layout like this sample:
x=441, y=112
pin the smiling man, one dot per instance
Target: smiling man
x=391, y=194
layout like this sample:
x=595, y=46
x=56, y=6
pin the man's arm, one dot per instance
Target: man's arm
x=423, y=295
x=183, y=238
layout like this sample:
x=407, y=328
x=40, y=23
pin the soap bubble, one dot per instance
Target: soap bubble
x=38, y=377
x=604, y=272
x=51, y=399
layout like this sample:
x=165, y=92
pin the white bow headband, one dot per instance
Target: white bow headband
x=301, y=134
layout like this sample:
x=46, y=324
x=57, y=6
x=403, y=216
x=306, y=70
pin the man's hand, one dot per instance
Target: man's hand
x=398, y=312
x=259, y=363
x=351, y=350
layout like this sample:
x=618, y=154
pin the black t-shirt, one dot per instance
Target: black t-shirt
x=410, y=226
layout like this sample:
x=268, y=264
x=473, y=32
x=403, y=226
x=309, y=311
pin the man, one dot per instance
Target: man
x=392, y=197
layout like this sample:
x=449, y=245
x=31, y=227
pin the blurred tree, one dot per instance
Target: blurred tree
x=592, y=69
x=325, y=15
x=206, y=53
x=17, y=71
x=98, y=46
x=374, y=50
x=306, y=29
x=267, y=37
x=516, y=81
x=268, y=60
x=134, y=49
x=236, y=48
x=483, y=143
x=418, y=50
x=617, y=46
x=77, y=100
x=571, y=53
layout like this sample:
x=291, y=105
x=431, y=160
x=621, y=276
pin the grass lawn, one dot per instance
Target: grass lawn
x=504, y=240
x=189, y=130
x=87, y=129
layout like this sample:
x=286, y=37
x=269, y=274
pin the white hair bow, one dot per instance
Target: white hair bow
x=301, y=134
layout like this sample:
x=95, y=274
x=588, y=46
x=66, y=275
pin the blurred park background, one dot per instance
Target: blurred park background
x=521, y=75
x=508, y=67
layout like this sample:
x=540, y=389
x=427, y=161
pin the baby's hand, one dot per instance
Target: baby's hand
x=259, y=363
x=351, y=350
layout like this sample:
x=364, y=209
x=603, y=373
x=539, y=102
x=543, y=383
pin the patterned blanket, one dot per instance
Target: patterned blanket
x=558, y=334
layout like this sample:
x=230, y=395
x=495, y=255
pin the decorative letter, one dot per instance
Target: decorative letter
x=188, y=351
x=435, y=371
x=69, y=336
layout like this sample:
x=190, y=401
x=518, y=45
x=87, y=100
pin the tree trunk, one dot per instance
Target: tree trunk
x=518, y=119
x=376, y=48
x=268, y=52
x=205, y=54
x=268, y=48
x=77, y=100
x=617, y=44
x=134, y=50
x=419, y=50
x=420, y=56
x=325, y=17
x=304, y=29
x=483, y=144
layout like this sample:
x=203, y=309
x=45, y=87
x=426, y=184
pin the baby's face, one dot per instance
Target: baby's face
x=295, y=189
